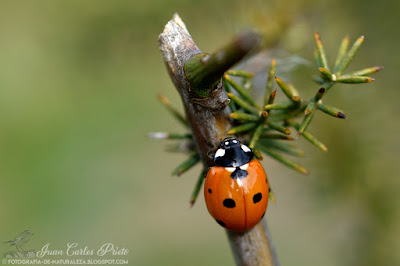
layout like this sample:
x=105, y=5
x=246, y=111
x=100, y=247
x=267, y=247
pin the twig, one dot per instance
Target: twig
x=207, y=113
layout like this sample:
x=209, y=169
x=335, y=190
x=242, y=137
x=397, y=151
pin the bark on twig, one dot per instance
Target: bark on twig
x=207, y=117
x=209, y=121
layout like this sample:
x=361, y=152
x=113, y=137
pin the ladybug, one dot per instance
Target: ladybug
x=236, y=189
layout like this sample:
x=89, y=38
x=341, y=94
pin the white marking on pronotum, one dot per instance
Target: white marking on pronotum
x=245, y=148
x=230, y=169
x=234, y=141
x=226, y=143
x=220, y=153
x=244, y=167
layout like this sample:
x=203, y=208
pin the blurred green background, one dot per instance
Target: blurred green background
x=78, y=86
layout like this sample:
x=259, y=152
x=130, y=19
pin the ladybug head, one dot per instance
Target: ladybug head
x=232, y=153
x=228, y=143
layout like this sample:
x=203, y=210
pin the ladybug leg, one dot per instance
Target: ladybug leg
x=211, y=153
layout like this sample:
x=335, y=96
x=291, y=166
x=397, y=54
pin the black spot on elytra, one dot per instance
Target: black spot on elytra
x=229, y=203
x=263, y=215
x=221, y=223
x=266, y=180
x=269, y=189
x=209, y=190
x=239, y=173
x=257, y=197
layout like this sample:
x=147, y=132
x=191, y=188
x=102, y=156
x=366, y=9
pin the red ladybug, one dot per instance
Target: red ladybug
x=236, y=190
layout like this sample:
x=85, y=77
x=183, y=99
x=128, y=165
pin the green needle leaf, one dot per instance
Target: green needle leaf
x=285, y=88
x=349, y=56
x=172, y=110
x=309, y=108
x=326, y=74
x=186, y=165
x=279, y=106
x=228, y=89
x=284, y=147
x=354, y=79
x=271, y=98
x=319, y=94
x=242, y=92
x=258, y=154
x=244, y=116
x=313, y=140
x=197, y=187
x=246, y=106
x=320, y=52
x=294, y=91
x=267, y=135
x=226, y=85
x=367, y=71
x=271, y=195
x=242, y=128
x=241, y=73
x=308, y=136
x=307, y=119
x=341, y=53
x=270, y=82
x=317, y=60
x=259, y=129
x=283, y=159
x=166, y=135
x=278, y=127
x=256, y=135
x=330, y=110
